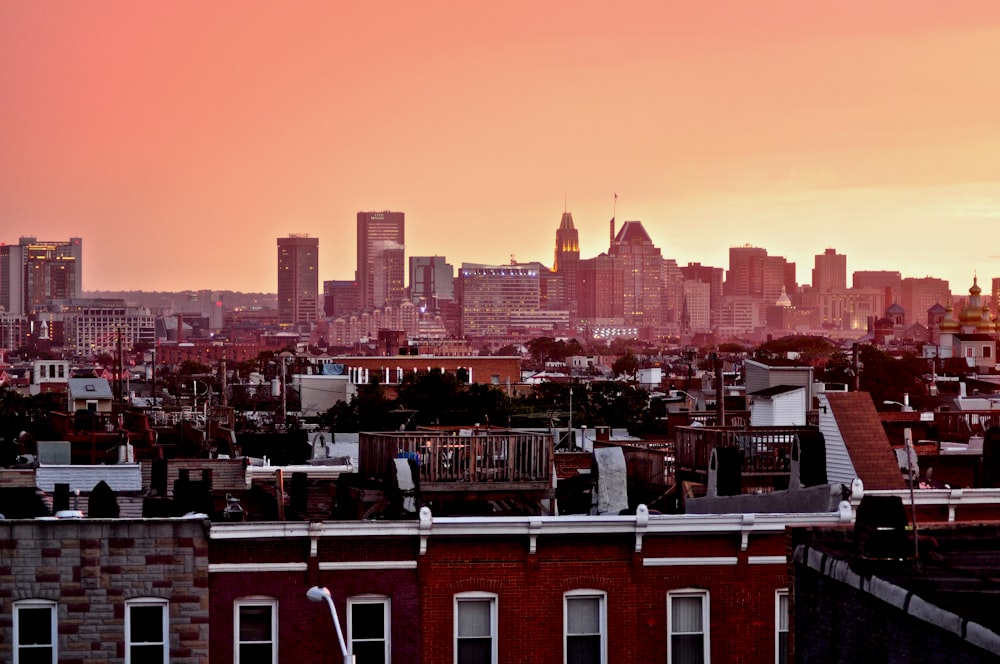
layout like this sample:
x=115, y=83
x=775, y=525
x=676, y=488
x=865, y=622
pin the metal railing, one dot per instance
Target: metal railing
x=461, y=456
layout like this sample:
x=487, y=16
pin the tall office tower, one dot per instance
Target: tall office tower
x=918, y=295
x=773, y=273
x=830, y=273
x=33, y=273
x=705, y=274
x=431, y=279
x=381, y=267
x=298, y=279
x=595, y=291
x=341, y=298
x=641, y=266
x=745, y=265
x=490, y=294
x=567, y=259
x=624, y=286
x=696, y=310
x=888, y=281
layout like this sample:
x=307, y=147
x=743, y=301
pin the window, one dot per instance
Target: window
x=781, y=626
x=368, y=629
x=986, y=351
x=475, y=628
x=256, y=630
x=584, y=626
x=35, y=632
x=687, y=627
x=146, y=631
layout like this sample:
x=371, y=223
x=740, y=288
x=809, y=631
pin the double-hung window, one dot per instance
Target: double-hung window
x=368, y=629
x=585, y=627
x=256, y=630
x=146, y=636
x=475, y=628
x=687, y=625
x=35, y=639
x=781, y=626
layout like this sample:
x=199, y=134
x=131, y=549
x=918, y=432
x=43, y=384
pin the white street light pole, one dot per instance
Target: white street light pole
x=317, y=594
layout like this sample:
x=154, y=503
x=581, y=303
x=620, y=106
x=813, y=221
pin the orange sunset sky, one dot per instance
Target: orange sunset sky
x=180, y=139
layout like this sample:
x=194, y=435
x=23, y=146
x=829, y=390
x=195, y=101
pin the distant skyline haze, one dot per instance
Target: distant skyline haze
x=179, y=140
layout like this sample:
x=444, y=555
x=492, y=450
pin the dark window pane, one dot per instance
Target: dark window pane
x=256, y=653
x=146, y=623
x=474, y=651
x=34, y=626
x=369, y=652
x=255, y=623
x=146, y=654
x=35, y=656
x=366, y=621
x=583, y=650
x=688, y=649
x=782, y=647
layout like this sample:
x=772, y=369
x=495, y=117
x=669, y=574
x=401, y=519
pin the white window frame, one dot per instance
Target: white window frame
x=53, y=644
x=476, y=596
x=705, y=622
x=255, y=600
x=779, y=594
x=386, y=624
x=165, y=617
x=586, y=593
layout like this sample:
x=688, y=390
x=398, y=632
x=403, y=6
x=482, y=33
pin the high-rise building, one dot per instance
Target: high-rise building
x=341, y=298
x=830, y=272
x=33, y=273
x=489, y=294
x=381, y=263
x=744, y=274
x=431, y=279
x=624, y=286
x=890, y=282
x=920, y=294
x=567, y=259
x=298, y=279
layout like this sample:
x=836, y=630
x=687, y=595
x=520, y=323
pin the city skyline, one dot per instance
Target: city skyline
x=180, y=140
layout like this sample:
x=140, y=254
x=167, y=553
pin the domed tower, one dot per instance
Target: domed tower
x=895, y=313
x=948, y=329
x=935, y=316
x=971, y=317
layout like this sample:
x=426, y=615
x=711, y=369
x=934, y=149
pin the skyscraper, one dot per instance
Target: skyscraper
x=34, y=273
x=625, y=285
x=490, y=294
x=830, y=273
x=431, y=279
x=567, y=260
x=381, y=267
x=298, y=279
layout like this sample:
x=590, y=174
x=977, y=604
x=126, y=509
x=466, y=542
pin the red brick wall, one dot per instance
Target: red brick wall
x=530, y=591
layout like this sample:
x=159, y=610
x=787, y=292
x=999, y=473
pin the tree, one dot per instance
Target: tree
x=431, y=393
x=627, y=365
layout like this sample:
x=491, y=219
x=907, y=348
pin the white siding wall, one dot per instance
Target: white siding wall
x=839, y=468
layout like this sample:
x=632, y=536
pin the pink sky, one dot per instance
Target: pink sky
x=180, y=139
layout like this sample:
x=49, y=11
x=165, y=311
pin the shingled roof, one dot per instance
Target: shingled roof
x=864, y=437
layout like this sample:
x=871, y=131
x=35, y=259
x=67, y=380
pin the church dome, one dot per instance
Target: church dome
x=783, y=299
x=985, y=325
x=972, y=313
x=949, y=324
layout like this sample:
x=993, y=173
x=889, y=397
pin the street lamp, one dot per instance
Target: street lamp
x=698, y=405
x=317, y=594
x=904, y=405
